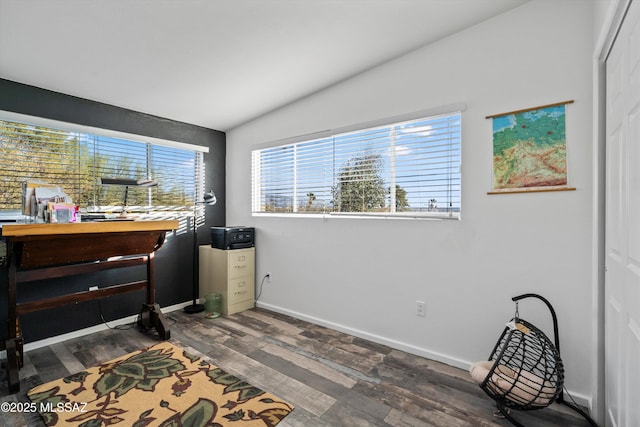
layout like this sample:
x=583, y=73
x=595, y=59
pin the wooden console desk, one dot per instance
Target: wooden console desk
x=46, y=251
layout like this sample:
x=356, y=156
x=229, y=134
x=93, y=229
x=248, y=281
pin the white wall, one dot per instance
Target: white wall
x=364, y=276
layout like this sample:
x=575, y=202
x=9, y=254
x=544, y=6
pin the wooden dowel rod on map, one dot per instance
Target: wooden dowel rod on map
x=530, y=109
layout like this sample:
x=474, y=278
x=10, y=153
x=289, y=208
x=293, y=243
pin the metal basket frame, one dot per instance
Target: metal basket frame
x=531, y=357
x=527, y=371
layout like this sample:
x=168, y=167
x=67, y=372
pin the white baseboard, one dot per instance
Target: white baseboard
x=90, y=330
x=580, y=399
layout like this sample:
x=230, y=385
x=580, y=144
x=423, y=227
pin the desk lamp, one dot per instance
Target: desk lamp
x=209, y=199
x=127, y=182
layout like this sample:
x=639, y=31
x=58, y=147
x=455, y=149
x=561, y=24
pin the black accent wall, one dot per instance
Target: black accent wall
x=173, y=262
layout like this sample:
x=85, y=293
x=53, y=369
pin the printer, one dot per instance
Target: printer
x=237, y=237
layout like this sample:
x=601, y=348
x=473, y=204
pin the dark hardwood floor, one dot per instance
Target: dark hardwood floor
x=331, y=378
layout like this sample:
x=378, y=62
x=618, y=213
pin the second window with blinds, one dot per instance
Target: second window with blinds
x=402, y=169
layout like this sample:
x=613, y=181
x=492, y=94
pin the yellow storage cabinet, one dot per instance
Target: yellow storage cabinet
x=230, y=273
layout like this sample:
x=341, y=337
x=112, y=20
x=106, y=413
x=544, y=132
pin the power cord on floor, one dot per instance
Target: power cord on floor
x=574, y=405
x=118, y=327
x=265, y=277
x=136, y=323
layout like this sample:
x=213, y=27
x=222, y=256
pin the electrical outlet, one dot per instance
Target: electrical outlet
x=420, y=309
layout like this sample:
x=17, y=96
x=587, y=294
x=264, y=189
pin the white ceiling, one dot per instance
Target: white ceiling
x=216, y=63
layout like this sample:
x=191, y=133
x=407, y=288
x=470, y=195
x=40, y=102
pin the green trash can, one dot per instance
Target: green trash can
x=212, y=306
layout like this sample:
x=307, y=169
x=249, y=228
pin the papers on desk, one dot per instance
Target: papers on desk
x=47, y=202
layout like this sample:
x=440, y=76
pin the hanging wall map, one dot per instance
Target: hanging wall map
x=530, y=149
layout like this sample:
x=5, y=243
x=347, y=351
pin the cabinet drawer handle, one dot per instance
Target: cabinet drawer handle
x=241, y=284
x=241, y=292
x=240, y=266
x=241, y=258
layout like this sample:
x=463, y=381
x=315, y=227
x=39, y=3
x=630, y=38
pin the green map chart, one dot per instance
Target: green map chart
x=529, y=149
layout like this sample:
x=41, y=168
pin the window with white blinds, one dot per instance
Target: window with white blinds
x=410, y=168
x=77, y=162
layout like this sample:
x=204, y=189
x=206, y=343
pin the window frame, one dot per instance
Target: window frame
x=186, y=210
x=452, y=109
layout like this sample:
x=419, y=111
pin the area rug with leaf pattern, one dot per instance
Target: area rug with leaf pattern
x=160, y=386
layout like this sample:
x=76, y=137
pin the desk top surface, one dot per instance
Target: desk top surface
x=9, y=230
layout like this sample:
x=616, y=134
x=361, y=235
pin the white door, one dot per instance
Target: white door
x=622, y=283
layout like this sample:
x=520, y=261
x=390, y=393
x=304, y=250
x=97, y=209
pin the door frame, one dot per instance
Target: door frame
x=612, y=23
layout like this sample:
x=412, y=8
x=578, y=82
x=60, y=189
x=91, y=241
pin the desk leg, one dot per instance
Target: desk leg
x=151, y=316
x=13, y=369
x=14, y=341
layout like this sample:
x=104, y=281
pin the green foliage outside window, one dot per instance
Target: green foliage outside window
x=76, y=162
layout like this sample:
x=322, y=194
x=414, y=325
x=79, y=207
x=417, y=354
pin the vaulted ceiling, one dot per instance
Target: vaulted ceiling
x=216, y=63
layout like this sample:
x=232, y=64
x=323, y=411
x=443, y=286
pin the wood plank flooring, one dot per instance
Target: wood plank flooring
x=333, y=379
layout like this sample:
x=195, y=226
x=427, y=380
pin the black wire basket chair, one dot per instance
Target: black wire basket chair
x=524, y=371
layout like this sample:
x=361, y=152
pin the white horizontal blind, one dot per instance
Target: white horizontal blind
x=37, y=153
x=179, y=173
x=410, y=168
x=116, y=158
x=76, y=162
